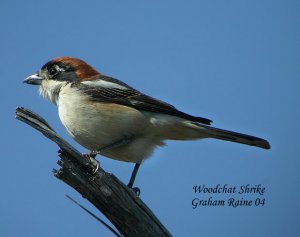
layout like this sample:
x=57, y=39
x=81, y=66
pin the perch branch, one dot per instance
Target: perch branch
x=127, y=212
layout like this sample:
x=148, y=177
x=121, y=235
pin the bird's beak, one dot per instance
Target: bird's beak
x=34, y=79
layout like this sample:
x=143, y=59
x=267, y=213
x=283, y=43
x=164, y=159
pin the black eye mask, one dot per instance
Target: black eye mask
x=60, y=72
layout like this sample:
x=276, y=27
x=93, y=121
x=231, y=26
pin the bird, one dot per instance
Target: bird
x=111, y=118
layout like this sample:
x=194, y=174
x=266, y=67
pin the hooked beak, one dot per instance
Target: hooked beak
x=34, y=79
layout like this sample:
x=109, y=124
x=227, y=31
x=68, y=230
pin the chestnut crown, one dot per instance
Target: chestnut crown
x=69, y=69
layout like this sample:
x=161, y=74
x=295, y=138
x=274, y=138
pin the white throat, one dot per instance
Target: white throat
x=50, y=89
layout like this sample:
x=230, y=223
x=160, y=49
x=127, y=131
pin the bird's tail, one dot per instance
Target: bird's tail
x=190, y=131
x=236, y=137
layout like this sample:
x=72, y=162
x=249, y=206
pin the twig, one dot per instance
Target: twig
x=96, y=217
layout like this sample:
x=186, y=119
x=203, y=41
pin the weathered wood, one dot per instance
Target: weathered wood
x=107, y=193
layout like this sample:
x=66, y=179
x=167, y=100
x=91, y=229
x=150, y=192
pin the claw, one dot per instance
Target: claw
x=96, y=163
x=93, y=154
x=137, y=191
x=91, y=158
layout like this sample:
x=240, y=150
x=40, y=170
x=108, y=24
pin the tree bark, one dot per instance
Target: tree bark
x=127, y=212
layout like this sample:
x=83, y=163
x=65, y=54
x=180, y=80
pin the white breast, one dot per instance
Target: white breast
x=95, y=125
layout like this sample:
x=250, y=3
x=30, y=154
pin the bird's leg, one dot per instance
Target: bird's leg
x=92, y=155
x=132, y=178
x=118, y=143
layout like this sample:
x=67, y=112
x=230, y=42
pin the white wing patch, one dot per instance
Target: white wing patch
x=104, y=84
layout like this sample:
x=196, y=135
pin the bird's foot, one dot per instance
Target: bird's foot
x=136, y=190
x=91, y=158
x=92, y=154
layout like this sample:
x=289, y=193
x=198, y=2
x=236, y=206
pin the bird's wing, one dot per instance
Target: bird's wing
x=107, y=89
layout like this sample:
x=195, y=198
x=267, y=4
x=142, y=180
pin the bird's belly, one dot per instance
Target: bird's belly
x=98, y=125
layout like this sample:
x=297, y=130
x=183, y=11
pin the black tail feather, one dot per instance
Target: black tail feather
x=236, y=137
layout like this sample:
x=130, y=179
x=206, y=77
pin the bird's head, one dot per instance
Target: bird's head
x=58, y=72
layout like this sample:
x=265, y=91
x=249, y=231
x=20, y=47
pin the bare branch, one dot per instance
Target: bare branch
x=115, y=200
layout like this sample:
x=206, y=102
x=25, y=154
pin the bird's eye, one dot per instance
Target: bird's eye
x=52, y=71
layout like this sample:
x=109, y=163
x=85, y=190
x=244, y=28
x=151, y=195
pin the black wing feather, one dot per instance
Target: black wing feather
x=135, y=99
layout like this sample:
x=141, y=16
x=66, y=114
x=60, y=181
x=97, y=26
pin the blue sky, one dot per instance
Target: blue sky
x=235, y=62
